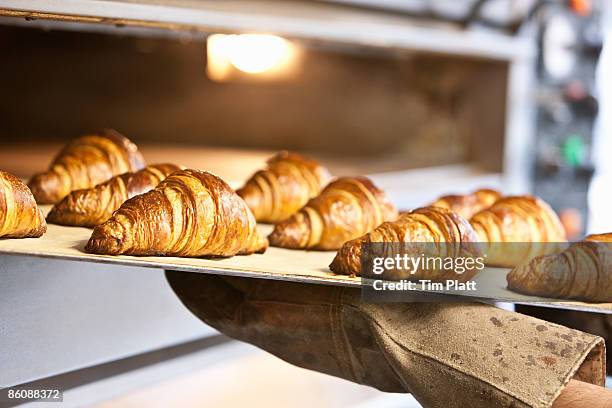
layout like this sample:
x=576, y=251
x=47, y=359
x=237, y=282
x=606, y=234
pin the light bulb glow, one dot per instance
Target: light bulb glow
x=256, y=53
x=251, y=54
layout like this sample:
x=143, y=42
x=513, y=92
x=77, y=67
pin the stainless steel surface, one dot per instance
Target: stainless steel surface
x=297, y=19
x=58, y=316
x=519, y=136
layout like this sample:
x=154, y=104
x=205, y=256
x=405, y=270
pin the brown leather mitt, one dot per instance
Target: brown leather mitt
x=83, y=163
x=469, y=204
x=428, y=226
x=345, y=209
x=448, y=355
x=525, y=225
x=20, y=217
x=92, y=206
x=283, y=187
x=599, y=324
x=583, y=271
x=191, y=214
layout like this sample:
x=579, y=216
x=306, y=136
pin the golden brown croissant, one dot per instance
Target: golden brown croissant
x=283, y=187
x=599, y=237
x=583, y=271
x=191, y=214
x=426, y=228
x=20, y=217
x=92, y=206
x=469, y=204
x=517, y=229
x=83, y=163
x=345, y=209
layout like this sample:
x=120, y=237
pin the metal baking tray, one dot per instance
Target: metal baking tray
x=278, y=264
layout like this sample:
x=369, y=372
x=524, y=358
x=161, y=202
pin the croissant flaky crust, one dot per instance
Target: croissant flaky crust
x=85, y=162
x=583, y=272
x=92, y=206
x=20, y=217
x=190, y=214
x=426, y=228
x=283, y=187
x=517, y=229
x=469, y=204
x=345, y=209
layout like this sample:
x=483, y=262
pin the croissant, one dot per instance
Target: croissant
x=583, y=271
x=469, y=204
x=20, y=217
x=436, y=231
x=92, y=206
x=283, y=187
x=190, y=214
x=83, y=163
x=517, y=229
x=345, y=209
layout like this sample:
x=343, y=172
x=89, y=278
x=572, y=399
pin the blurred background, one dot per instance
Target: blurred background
x=427, y=97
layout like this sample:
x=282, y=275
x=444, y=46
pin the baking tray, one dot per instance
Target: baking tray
x=279, y=264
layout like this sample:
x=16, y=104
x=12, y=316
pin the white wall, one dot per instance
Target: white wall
x=600, y=192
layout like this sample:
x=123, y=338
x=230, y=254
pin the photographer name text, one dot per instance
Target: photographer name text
x=425, y=285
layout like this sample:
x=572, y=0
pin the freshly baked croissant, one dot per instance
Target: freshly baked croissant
x=283, y=187
x=83, y=163
x=92, y=206
x=583, y=271
x=469, y=204
x=599, y=237
x=435, y=231
x=190, y=214
x=345, y=209
x=517, y=229
x=20, y=217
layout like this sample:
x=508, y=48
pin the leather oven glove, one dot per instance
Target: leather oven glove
x=445, y=354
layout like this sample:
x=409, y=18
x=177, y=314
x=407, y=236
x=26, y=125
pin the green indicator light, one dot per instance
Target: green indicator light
x=573, y=150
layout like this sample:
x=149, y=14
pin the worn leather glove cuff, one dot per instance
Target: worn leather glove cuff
x=445, y=354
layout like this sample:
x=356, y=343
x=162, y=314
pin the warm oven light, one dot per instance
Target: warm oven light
x=253, y=54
